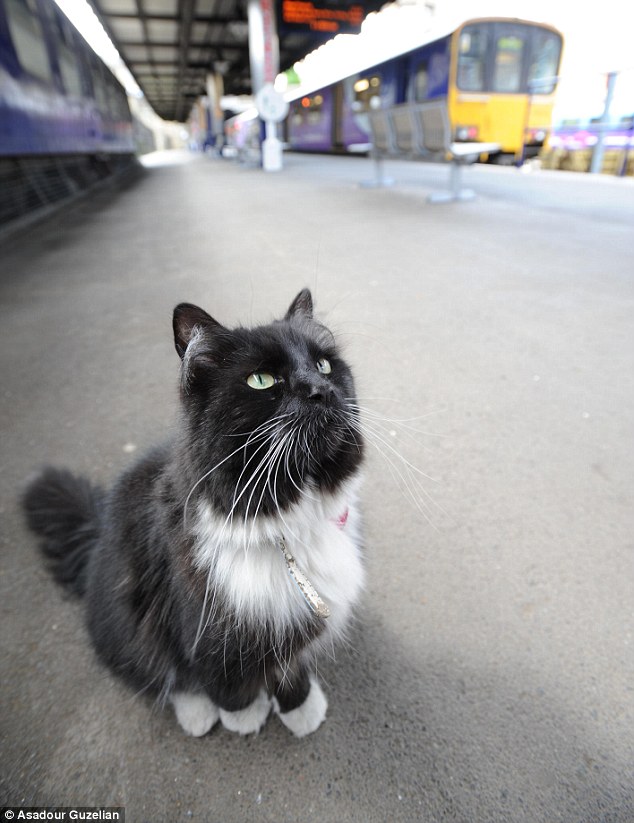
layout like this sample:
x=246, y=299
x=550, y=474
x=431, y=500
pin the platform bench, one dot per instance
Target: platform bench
x=421, y=131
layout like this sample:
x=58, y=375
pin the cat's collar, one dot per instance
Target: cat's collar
x=310, y=593
x=341, y=521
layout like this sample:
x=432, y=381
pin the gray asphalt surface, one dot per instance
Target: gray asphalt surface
x=490, y=675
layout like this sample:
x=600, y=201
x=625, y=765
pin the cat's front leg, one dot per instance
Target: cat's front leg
x=249, y=720
x=300, y=704
x=195, y=712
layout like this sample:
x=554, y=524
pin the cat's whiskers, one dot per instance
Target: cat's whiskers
x=410, y=484
x=281, y=516
x=307, y=446
x=365, y=427
x=354, y=401
x=277, y=443
x=280, y=455
x=401, y=423
x=409, y=478
x=270, y=431
x=283, y=665
x=264, y=431
x=274, y=455
x=270, y=441
x=344, y=431
x=267, y=423
x=203, y=622
x=256, y=434
x=301, y=489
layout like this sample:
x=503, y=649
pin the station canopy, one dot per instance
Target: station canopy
x=170, y=46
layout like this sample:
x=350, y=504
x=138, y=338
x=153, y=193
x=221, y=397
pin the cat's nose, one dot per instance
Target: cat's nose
x=313, y=387
x=320, y=392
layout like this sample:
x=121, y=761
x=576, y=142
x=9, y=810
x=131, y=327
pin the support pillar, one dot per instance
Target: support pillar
x=215, y=90
x=597, y=155
x=264, y=57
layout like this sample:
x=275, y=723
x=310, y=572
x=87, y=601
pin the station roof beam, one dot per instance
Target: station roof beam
x=170, y=46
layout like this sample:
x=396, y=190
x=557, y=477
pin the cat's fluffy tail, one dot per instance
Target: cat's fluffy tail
x=65, y=511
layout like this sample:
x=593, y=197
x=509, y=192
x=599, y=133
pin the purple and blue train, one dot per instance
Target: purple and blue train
x=64, y=118
x=496, y=78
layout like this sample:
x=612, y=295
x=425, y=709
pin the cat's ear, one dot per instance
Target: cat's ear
x=187, y=319
x=302, y=306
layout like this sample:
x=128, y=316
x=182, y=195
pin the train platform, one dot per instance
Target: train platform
x=489, y=676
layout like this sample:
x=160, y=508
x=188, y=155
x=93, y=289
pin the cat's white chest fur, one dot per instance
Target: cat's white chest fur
x=245, y=563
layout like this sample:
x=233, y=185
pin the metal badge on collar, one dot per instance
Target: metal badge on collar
x=311, y=596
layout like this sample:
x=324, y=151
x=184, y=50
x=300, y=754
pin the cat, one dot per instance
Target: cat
x=222, y=563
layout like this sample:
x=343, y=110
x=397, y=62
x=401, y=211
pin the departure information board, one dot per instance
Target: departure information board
x=326, y=16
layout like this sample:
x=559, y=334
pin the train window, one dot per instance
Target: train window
x=472, y=52
x=99, y=86
x=544, y=62
x=507, y=67
x=70, y=71
x=311, y=108
x=118, y=99
x=28, y=37
x=67, y=56
x=367, y=94
x=421, y=83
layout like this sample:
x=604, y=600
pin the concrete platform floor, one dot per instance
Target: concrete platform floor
x=490, y=676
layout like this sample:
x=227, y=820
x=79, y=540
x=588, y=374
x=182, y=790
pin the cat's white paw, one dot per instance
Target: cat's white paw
x=195, y=712
x=249, y=720
x=308, y=717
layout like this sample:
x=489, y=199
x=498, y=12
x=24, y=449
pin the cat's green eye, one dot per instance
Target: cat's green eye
x=324, y=366
x=261, y=380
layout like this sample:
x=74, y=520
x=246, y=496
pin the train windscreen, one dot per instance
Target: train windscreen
x=507, y=58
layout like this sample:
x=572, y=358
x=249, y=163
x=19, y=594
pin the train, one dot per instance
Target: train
x=497, y=77
x=65, y=121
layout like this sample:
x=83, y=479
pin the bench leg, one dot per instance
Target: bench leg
x=381, y=180
x=456, y=192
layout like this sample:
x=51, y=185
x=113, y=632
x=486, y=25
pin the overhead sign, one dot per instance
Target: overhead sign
x=326, y=16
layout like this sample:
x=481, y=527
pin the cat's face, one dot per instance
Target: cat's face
x=269, y=409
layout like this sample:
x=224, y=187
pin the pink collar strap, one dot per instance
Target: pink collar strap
x=341, y=521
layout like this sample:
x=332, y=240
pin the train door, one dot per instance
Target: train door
x=401, y=80
x=418, y=89
x=489, y=101
x=428, y=72
x=338, y=143
x=509, y=61
x=361, y=93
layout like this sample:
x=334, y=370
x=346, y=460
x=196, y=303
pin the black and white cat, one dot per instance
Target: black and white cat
x=219, y=565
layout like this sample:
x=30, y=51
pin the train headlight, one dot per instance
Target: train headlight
x=465, y=134
x=537, y=136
